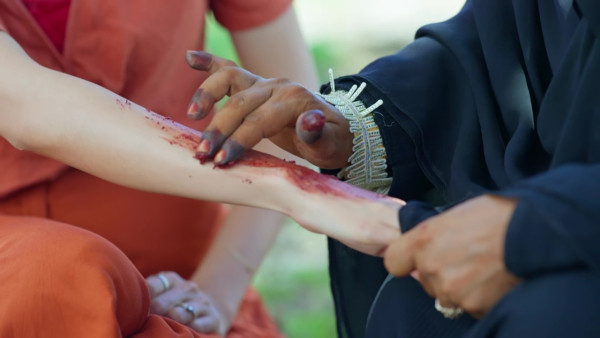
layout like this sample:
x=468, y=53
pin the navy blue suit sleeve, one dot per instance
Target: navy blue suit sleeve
x=556, y=224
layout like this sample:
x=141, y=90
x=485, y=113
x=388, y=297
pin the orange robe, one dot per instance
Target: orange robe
x=77, y=284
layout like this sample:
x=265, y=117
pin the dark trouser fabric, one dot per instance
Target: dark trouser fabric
x=403, y=309
x=558, y=305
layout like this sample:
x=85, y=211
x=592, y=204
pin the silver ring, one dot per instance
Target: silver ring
x=165, y=282
x=448, y=312
x=190, y=309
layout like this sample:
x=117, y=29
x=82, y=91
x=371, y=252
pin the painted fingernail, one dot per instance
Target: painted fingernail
x=204, y=146
x=201, y=105
x=229, y=153
x=198, y=59
x=193, y=110
x=220, y=156
x=309, y=125
x=211, y=142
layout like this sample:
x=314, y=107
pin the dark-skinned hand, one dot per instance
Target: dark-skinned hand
x=458, y=255
x=290, y=115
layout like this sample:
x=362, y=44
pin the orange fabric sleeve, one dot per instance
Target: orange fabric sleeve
x=238, y=15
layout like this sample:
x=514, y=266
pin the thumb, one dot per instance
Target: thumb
x=399, y=257
x=326, y=144
x=309, y=125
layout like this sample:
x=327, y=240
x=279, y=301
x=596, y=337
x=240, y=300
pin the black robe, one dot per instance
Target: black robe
x=503, y=98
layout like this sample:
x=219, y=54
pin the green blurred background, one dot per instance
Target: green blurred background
x=343, y=35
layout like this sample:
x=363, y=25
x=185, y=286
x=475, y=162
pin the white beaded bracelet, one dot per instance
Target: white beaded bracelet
x=368, y=166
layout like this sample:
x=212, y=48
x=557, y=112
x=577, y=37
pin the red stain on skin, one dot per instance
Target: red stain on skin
x=306, y=179
x=302, y=177
x=120, y=103
x=177, y=134
x=201, y=157
x=225, y=165
x=123, y=103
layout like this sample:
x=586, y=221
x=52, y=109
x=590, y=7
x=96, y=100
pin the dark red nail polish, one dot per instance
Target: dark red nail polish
x=233, y=151
x=309, y=125
x=201, y=105
x=198, y=59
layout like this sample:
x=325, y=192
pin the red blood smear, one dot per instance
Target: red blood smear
x=120, y=103
x=225, y=165
x=123, y=103
x=201, y=157
x=307, y=179
x=178, y=134
x=304, y=178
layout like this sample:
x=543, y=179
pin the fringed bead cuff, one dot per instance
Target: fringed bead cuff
x=368, y=165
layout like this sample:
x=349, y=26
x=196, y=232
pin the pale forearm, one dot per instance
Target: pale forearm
x=90, y=128
x=277, y=49
x=244, y=240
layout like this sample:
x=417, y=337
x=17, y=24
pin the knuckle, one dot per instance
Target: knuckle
x=176, y=315
x=190, y=287
x=429, y=267
x=471, y=304
x=171, y=275
x=254, y=119
x=237, y=100
x=278, y=82
x=229, y=72
x=158, y=307
x=295, y=90
x=422, y=235
x=205, y=324
x=447, y=288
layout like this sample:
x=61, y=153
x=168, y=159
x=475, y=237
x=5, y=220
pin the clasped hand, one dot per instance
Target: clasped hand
x=458, y=256
x=183, y=301
x=290, y=115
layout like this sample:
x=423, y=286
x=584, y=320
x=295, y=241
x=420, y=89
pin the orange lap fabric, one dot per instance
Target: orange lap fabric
x=61, y=281
x=156, y=232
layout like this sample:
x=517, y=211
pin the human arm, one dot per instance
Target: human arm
x=92, y=129
x=235, y=256
x=277, y=49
